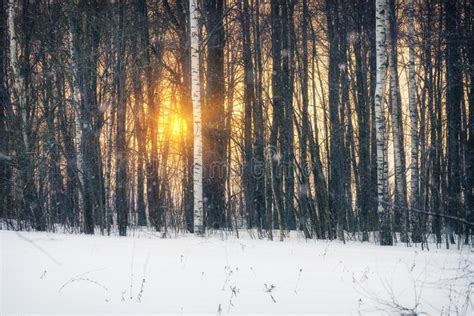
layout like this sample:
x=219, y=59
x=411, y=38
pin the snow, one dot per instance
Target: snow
x=142, y=274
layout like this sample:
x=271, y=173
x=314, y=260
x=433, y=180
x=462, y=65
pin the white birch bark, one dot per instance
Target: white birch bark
x=18, y=80
x=197, y=124
x=382, y=181
x=76, y=99
x=412, y=107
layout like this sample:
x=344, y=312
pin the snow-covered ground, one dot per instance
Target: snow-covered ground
x=60, y=273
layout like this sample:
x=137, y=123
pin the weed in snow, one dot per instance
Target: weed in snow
x=298, y=281
x=233, y=293
x=269, y=289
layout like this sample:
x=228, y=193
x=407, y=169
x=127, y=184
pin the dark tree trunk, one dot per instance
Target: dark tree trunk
x=141, y=122
x=336, y=154
x=469, y=159
x=454, y=96
x=258, y=128
x=364, y=195
x=307, y=211
x=214, y=131
x=6, y=208
x=254, y=218
x=274, y=152
x=121, y=153
x=287, y=134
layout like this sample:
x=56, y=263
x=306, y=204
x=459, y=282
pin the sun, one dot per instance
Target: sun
x=177, y=126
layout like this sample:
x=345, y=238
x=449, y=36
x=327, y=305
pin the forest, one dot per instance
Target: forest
x=339, y=119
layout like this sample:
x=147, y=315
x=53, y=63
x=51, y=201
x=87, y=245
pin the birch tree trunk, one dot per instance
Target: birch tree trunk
x=82, y=122
x=414, y=185
x=76, y=100
x=400, y=216
x=85, y=40
x=196, y=100
x=382, y=181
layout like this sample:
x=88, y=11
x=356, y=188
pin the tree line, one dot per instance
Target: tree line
x=338, y=118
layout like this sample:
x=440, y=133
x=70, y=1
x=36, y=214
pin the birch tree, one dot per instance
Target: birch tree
x=76, y=103
x=197, y=124
x=382, y=181
x=414, y=182
x=84, y=23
